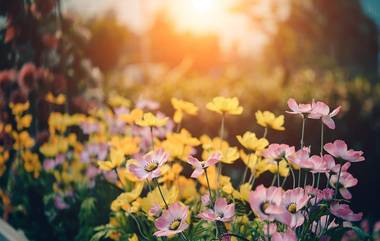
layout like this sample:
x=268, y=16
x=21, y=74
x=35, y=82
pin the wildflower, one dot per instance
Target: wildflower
x=346, y=180
x=94, y=152
x=251, y=142
x=172, y=221
x=131, y=117
x=182, y=107
x=319, y=110
x=339, y=150
x=264, y=199
x=125, y=199
x=200, y=166
x=289, y=235
x=280, y=167
x=32, y=163
x=222, y=211
x=150, y=120
x=128, y=145
x=60, y=99
x=243, y=193
x=118, y=101
x=229, y=155
x=292, y=202
x=223, y=105
x=155, y=211
x=154, y=197
x=268, y=119
x=322, y=164
x=302, y=158
x=19, y=108
x=148, y=167
x=116, y=159
x=187, y=188
x=213, y=179
x=344, y=212
x=27, y=78
x=133, y=238
x=298, y=109
x=277, y=152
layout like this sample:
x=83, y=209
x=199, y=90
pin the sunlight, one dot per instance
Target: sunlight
x=198, y=15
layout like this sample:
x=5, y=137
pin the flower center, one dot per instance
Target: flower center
x=151, y=167
x=175, y=224
x=264, y=206
x=292, y=208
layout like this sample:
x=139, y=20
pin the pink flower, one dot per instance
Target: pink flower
x=322, y=111
x=298, y=109
x=172, y=220
x=205, y=199
x=200, y=166
x=318, y=195
x=263, y=200
x=302, y=158
x=289, y=235
x=222, y=211
x=148, y=167
x=94, y=152
x=346, y=180
x=343, y=211
x=292, y=202
x=155, y=211
x=340, y=150
x=276, y=152
x=322, y=164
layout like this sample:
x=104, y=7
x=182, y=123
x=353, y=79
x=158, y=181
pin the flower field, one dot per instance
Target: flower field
x=198, y=120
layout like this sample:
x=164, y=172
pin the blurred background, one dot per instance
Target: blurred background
x=262, y=51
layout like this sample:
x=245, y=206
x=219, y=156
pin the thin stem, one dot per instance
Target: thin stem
x=265, y=132
x=274, y=179
x=284, y=181
x=318, y=179
x=244, y=175
x=299, y=177
x=293, y=176
x=313, y=179
x=337, y=182
x=322, y=134
x=178, y=127
x=278, y=174
x=209, y=188
x=303, y=131
x=221, y=142
x=305, y=181
x=162, y=195
x=138, y=226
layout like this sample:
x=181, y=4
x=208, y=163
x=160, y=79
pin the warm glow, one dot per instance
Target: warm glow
x=198, y=15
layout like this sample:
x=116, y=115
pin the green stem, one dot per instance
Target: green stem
x=209, y=188
x=278, y=174
x=265, y=132
x=305, y=181
x=299, y=177
x=162, y=195
x=303, y=131
x=244, y=175
x=322, y=134
x=293, y=176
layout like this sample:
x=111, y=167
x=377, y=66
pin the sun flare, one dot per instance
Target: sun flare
x=198, y=15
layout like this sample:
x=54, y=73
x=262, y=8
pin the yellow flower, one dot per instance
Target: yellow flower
x=229, y=154
x=133, y=238
x=128, y=145
x=19, y=108
x=32, y=163
x=250, y=141
x=213, y=178
x=132, y=117
x=24, y=121
x=154, y=197
x=60, y=99
x=123, y=200
x=243, y=193
x=118, y=101
x=187, y=188
x=179, y=145
x=150, y=120
x=4, y=156
x=182, y=107
x=268, y=119
x=224, y=105
x=170, y=174
x=282, y=168
x=116, y=159
x=250, y=160
x=22, y=140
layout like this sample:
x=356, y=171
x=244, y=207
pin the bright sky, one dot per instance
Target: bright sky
x=198, y=16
